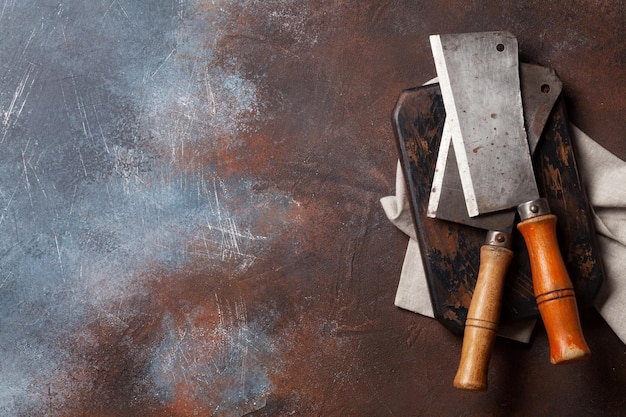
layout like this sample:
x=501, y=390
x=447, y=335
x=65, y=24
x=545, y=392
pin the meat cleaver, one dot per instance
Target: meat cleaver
x=479, y=79
x=540, y=88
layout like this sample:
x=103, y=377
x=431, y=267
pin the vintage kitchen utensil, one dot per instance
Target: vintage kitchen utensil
x=483, y=315
x=540, y=90
x=480, y=85
x=479, y=79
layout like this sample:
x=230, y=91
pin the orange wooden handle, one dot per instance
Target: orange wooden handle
x=553, y=290
x=482, y=319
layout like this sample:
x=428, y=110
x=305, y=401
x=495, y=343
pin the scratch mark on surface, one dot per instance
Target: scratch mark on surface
x=27, y=162
x=58, y=247
x=7, y=119
x=6, y=207
x=181, y=9
x=120, y=5
x=30, y=38
x=209, y=92
x=6, y=278
x=163, y=63
x=104, y=139
x=4, y=6
x=64, y=34
x=241, y=317
x=80, y=104
x=25, y=173
x=184, y=355
x=60, y=9
x=33, y=170
x=82, y=162
x=108, y=9
x=228, y=239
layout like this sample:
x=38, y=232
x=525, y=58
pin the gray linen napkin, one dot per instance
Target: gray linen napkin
x=604, y=176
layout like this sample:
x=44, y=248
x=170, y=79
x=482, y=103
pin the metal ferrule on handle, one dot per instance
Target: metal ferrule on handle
x=554, y=291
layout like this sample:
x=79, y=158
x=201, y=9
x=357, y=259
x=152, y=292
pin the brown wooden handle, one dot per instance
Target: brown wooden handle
x=482, y=319
x=553, y=290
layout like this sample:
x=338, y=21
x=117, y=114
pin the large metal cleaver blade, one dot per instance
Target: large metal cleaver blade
x=540, y=88
x=480, y=85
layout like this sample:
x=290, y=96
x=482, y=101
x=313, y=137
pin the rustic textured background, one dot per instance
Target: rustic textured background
x=190, y=219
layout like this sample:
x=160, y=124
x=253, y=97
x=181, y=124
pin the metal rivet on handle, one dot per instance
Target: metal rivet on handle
x=533, y=208
x=498, y=238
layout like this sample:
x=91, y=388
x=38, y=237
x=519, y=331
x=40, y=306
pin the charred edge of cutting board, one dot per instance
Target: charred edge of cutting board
x=451, y=252
x=418, y=120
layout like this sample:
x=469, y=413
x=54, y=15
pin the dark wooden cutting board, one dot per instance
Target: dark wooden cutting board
x=451, y=251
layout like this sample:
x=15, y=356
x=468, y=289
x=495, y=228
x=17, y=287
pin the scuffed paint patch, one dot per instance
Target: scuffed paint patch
x=109, y=184
x=216, y=360
x=173, y=218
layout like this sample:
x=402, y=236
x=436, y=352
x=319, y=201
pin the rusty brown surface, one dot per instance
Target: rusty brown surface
x=196, y=227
